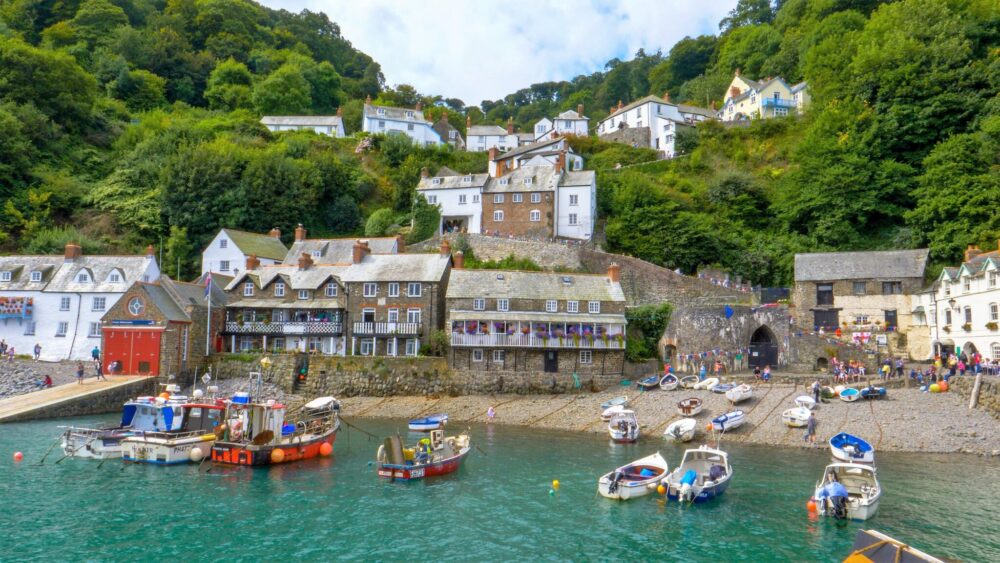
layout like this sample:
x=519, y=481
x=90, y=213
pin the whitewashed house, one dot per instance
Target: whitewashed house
x=403, y=121
x=568, y=122
x=651, y=122
x=772, y=97
x=229, y=250
x=576, y=205
x=332, y=125
x=546, y=151
x=459, y=196
x=964, y=306
x=58, y=301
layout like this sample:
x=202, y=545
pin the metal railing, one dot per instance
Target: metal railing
x=534, y=341
x=778, y=103
x=287, y=327
x=387, y=328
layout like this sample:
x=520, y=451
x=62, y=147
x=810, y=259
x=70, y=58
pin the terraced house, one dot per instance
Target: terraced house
x=503, y=320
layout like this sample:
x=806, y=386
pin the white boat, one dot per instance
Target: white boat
x=669, y=382
x=623, y=400
x=690, y=406
x=191, y=443
x=739, y=393
x=681, y=430
x=703, y=474
x=707, y=384
x=729, y=421
x=611, y=411
x=805, y=401
x=851, y=449
x=796, y=418
x=144, y=414
x=636, y=479
x=428, y=423
x=850, y=395
x=624, y=427
x=848, y=491
x=689, y=381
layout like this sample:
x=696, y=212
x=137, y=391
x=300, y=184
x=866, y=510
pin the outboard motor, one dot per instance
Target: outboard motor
x=615, y=480
x=838, y=507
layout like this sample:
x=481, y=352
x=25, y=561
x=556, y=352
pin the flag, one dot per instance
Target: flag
x=729, y=311
x=208, y=285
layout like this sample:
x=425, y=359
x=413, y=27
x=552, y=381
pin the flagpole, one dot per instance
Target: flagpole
x=208, y=322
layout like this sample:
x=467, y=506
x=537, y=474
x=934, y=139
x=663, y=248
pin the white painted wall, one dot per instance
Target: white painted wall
x=214, y=256
x=983, y=292
x=448, y=200
x=421, y=133
x=585, y=211
x=483, y=143
x=331, y=130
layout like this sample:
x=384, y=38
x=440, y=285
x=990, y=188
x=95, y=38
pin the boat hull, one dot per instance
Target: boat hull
x=649, y=383
x=805, y=401
x=668, y=383
x=231, y=453
x=851, y=449
x=857, y=511
x=681, y=431
x=850, y=395
x=709, y=383
x=728, y=421
x=629, y=483
x=620, y=437
x=690, y=410
x=704, y=495
x=739, y=394
x=165, y=451
x=425, y=427
x=413, y=472
x=796, y=418
x=93, y=444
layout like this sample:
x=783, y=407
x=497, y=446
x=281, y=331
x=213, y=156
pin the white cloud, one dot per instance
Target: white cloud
x=477, y=50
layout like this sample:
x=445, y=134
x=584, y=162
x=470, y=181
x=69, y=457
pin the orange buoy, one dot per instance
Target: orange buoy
x=164, y=395
x=708, y=427
x=325, y=449
x=18, y=456
x=661, y=489
x=277, y=455
x=943, y=385
x=811, y=505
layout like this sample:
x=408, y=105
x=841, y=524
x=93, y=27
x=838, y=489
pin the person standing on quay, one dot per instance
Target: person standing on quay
x=38, y=351
x=79, y=373
x=811, y=429
x=815, y=391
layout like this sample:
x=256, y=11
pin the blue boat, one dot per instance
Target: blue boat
x=729, y=421
x=623, y=401
x=648, y=383
x=723, y=387
x=428, y=423
x=873, y=392
x=703, y=474
x=850, y=448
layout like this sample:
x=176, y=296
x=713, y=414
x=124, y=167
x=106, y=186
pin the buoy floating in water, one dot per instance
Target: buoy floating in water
x=551, y=492
x=196, y=454
x=277, y=455
x=661, y=489
x=811, y=505
x=18, y=456
x=555, y=484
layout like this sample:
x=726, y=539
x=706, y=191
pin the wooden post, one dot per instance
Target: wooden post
x=974, y=397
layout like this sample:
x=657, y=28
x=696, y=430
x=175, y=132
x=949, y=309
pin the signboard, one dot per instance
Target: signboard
x=861, y=337
x=882, y=339
x=132, y=322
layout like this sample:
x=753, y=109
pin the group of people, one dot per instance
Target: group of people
x=762, y=375
x=95, y=356
x=6, y=351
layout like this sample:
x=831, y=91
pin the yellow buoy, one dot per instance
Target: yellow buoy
x=661, y=490
x=555, y=484
x=935, y=388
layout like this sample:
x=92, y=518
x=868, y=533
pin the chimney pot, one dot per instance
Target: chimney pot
x=300, y=233
x=614, y=272
x=150, y=252
x=423, y=172
x=972, y=251
x=445, y=248
x=340, y=112
x=510, y=125
x=252, y=262
x=419, y=107
x=400, y=244
x=444, y=115
x=459, y=260
x=72, y=251
x=368, y=100
x=579, y=109
x=666, y=97
x=275, y=232
x=359, y=251
x=468, y=121
x=620, y=104
x=493, y=153
x=737, y=71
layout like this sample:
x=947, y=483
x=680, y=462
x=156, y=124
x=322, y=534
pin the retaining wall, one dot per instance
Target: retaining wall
x=989, y=393
x=99, y=402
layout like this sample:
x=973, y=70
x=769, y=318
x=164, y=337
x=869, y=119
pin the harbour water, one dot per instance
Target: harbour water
x=497, y=507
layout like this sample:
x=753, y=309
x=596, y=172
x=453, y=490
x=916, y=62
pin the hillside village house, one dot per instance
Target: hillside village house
x=229, y=250
x=547, y=152
x=390, y=120
x=337, y=250
x=860, y=293
x=963, y=307
x=486, y=137
x=568, y=122
x=447, y=132
x=533, y=321
x=772, y=97
x=374, y=304
x=331, y=125
x=651, y=122
x=459, y=196
x=162, y=328
x=58, y=301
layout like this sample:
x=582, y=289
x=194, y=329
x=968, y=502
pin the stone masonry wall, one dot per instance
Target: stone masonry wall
x=631, y=136
x=107, y=401
x=549, y=255
x=989, y=393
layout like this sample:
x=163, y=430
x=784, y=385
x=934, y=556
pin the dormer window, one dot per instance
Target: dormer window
x=248, y=289
x=527, y=181
x=381, y=111
x=35, y=276
x=409, y=114
x=436, y=181
x=316, y=254
x=504, y=181
x=115, y=277
x=467, y=179
x=5, y=276
x=83, y=277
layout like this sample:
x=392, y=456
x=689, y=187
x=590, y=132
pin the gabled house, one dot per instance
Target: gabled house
x=331, y=125
x=772, y=97
x=651, y=122
x=400, y=121
x=336, y=250
x=448, y=133
x=546, y=151
x=568, y=122
x=963, y=307
x=230, y=249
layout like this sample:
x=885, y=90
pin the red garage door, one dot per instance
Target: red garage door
x=138, y=350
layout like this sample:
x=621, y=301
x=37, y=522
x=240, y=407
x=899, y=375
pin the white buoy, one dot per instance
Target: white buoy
x=198, y=393
x=196, y=454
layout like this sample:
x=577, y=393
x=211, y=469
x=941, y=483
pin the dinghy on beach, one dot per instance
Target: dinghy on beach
x=649, y=383
x=623, y=401
x=850, y=448
x=428, y=423
x=723, y=388
x=850, y=395
x=682, y=430
x=796, y=418
x=707, y=384
x=873, y=392
x=729, y=421
x=805, y=401
x=689, y=407
x=688, y=382
x=636, y=479
x=669, y=382
x=611, y=411
x=739, y=393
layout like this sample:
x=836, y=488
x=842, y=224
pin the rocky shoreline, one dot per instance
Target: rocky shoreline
x=22, y=376
x=908, y=420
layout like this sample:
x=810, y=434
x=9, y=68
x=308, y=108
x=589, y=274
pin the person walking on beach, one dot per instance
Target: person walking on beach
x=38, y=351
x=490, y=413
x=99, y=372
x=811, y=429
x=815, y=391
x=79, y=373
x=702, y=372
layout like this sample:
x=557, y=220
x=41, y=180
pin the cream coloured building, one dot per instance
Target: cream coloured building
x=772, y=97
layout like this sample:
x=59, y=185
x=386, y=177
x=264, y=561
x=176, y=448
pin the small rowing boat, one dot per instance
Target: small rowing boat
x=707, y=384
x=873, y=392
x=850, y=395
x=623, y=401
x=624, y=427
x=739, y=393
x=649, y=383
x=689, y=407
x=682, y=430
x=428, y=423
x=669, y=382
x=689, y=381
x=636, y=479
x=805, y=401
x=796, y=418
x=611, y=411
x=723, y=388
x=431, y=456
x=852, y=449
x=729, y=421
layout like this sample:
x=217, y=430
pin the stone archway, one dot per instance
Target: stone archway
x=763, y=347
x=969, y=349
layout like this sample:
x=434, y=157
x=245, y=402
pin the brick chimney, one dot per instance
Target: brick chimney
x=468, y=122
x=972, y=251
x=666, y=97
x=275, y=232
x=611, y=110
x=368, y=100
x=445, y=248
x=150, y=252
x=73, y=251
x=579, y=109
x=423, y=172
x=359, y=251
x=712, y=105
x=340, y=112
x=300, y=233
x=493, y=153
x=614, y=273
x=444, y=116
x=252, y=262
x=305, y=261
x=400, y=244
x=419, y=107
x=458, y=260
x=620, y=104
x=561, y=161
x=510, y=125
x=734, y=92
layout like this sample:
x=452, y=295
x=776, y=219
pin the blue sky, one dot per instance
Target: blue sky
x=477, y=50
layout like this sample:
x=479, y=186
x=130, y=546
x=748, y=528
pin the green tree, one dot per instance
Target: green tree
x=51, y=81
x=141, y=90
x=379, y=222
x=96, y=19
x=747, y=13
x=426, y=220
x=178, y=249
x=283, y=92
x=230, y=86
x=324, y=84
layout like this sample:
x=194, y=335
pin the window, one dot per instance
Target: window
x=475, y=198
x=83, y=277
x=64, y=304
x=586, y=356
x=98, y=304
x=461, y=200
x=527, y=181
x=436, y=181
x=432, y=199
x=638, y=112
x=409, y=127
x=995, y=348
x=517, y=198
x=539, y=128
x=498, y=356
x=393, y=315
x=536, y=198
x=504, y=181
x=394, y=289
x=303, y=294
x=413, y=316
x=994, y=314
x=824, y=294
x=551, y=306
x=892, y=288
x=780, y=112
x=497, y=198
x=503, y=305
x=860, y=319
x=411, y=346
x=594, y=307
x=381, y=124
x=947, y=288
x=860, y=288
x=479, y=304
x=367, y=347
x=409, y=114
x=414, y=289
x=467, y=179
x=94, y=331
x=29, y=328
x=947, y=316
x=572, y=306
x=572, y=219
x=37, y=276
x=535, y=215
x=968, y=315
x=62, y=328
x=248, y=289
x=370, y=289
x=223, y=243
x=115, y=277
x=966, y=284
x=224, y=265
x=380, y=111
x=317, y=253
x=477, y=355
x=574, y=200
x=498, y=216
x=577, y=165
x=279, y=289
x=331, y=289
x=991, y=279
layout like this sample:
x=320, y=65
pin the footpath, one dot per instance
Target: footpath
x=72, y=399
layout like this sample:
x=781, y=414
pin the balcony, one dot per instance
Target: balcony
x=778, y=103
x=281, y=328
x=386, y=329
x=534, y=341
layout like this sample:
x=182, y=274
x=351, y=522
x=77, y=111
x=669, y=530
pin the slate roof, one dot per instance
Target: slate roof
x=21, y=267
x=579, y=178
x=336, y=250
x=571, y=114
x=483, y=130
x=464, y=284
x=395, y=114
x=452, y=182
x=165, y=302
x=543, y=178
x=445, y=171
x=529, y=148
x=373, y=268
x=303, y=120
x=883, y=264
x=132, y=269
x=684, y=108
x=798, y=87
x=261, y=246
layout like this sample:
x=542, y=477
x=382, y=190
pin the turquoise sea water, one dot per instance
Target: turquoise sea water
x=497, y=507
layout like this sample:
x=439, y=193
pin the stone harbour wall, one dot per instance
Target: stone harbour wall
x=989, y=392
x=102, y=402
x=550, y=255
x=631, y=136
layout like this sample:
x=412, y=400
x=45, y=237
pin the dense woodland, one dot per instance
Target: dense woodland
x=126, y=122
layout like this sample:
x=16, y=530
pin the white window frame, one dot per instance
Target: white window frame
x=369, y=289
x=248, y=289
x=331, y=289
x=572, y=306
x=594, y=307
x=279, y=289
x=991, y=278
x=223, y=265
x=478, y=304
x=29, y=328
x=535, y=215
x=517, y=198
x=528, y=181
x=551, y=306
x=461, y=199
x=498, y=216
x=432, y=199
x=573, y=219
x=413, y=315
x=115, y=277
x=503, y=305
x=410, y=348
x=475, y=198
x=303, y=294
x=98, y=303
x=368, y=343
x=574, y=199
x=414, y=289
x=392, y=315
x=536, y=197
x=61, y=329
x=477, y=354
x=994, y=313
x=499, y=356
x=83, y=277
x=223, y=243
x=36, y=276
x=497, y=198
x=586, y=357
x=65, y=304
x=94, y=330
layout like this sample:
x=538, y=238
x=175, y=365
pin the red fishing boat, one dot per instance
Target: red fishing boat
x=258, y=434
x=431, y=456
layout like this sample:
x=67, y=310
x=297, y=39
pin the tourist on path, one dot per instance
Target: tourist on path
x=899, y=367
x=38, y=351
x=756, y=373
x=702, y=372
x=811, y=429
x=95, y=354
x=79, y=373
x=99, y=371
x=815, y=391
